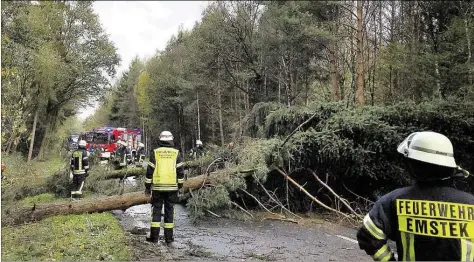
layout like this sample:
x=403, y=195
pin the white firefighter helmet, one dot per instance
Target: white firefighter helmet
x=198, y=142
x=82, y=143
x=429, y=147
x=141, y=145
x=166, y=136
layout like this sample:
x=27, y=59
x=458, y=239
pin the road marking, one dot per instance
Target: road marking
x=348, y=239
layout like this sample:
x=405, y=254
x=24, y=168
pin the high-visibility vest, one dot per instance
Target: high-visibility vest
x=164, y=176
x=78, y=167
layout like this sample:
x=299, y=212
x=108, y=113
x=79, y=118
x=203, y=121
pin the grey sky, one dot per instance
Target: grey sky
x=142, y=27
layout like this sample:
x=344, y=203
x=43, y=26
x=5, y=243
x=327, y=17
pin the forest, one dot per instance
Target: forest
x=300, y=106
x=330, y=86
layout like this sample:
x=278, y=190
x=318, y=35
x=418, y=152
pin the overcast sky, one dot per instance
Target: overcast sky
x=142, y=27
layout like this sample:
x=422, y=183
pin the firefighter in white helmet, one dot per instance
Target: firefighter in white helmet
x=165, y=175
x=197, y=151
x=121, y=154
x=79, y=168
x=141, y=153
x=430, y=220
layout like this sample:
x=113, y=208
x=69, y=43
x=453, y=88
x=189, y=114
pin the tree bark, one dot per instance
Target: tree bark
x=247, y=98
x=437, y=92
x=392, y=33
x=33, y=134
x=360, y=99
x=45, y=140
x=334, y=74
x=118, y=202
x=198, y=117
x=469, y=53
x=213, y=122
x=221, y=126
x=279, y=86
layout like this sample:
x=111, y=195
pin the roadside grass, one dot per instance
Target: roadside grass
x=71, y=237
x=30, y=179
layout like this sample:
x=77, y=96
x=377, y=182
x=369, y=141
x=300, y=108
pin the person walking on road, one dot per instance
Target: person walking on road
x=430, y=220
x=164, y=177
x=79, y=168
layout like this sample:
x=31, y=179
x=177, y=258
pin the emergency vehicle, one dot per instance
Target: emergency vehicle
x=105, y=139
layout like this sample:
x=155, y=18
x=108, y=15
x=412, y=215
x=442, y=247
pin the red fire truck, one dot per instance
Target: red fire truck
x=105, y=139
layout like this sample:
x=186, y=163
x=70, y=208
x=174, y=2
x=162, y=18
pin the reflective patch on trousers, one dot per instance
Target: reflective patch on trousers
x=408, y=245
x=168, y=225
x=467, y=252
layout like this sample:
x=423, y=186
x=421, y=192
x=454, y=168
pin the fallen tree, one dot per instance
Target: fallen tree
x=140, y=171
x=126, y=172
x=118, y=202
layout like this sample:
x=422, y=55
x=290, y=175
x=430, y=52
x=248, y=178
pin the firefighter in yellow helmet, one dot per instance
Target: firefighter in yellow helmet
x=430, y=220
x=165, y=175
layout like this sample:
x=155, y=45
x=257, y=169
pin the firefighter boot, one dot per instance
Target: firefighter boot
x=154, y=233
x=168, y=235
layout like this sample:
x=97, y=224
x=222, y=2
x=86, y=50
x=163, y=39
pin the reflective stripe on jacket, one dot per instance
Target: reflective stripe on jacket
x=80, y=161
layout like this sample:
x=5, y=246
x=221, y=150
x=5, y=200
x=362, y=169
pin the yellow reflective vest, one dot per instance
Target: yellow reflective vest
x=165, y=175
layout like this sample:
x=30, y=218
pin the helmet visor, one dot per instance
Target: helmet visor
x=405, y=144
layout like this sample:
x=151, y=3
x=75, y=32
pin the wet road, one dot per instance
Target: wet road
x=231, y=240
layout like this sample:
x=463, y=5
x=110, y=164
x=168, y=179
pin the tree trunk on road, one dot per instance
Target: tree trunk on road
x=36, y=213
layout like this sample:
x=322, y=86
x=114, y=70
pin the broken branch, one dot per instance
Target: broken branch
x=274, y=200
x=336, y=195
x=259, y=203
x=241, y=208
x=309, y=195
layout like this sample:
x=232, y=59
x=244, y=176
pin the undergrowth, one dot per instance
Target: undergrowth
x=71, y=237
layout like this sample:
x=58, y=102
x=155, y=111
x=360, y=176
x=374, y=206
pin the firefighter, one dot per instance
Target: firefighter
x=141, y=152
x=79, y=167
x=197, y=151
x=121, y=154
x=164, y=177
x=430, y=220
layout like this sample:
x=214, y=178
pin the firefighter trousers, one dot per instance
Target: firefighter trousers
x=158, y=200
x=77, y=185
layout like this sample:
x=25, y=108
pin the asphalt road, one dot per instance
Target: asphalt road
x=233, y=240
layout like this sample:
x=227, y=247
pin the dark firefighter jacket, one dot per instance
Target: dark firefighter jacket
x=197, y=151
x=431, y=222
x=165, y=170
x=141, y=151
x=121, y=154
x=80, y=161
